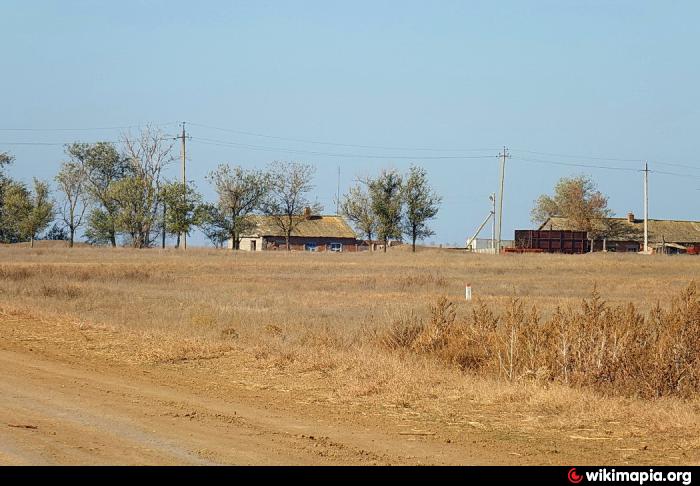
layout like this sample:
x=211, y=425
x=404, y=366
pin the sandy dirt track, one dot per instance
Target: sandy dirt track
x=68, y=397
x=60, y=414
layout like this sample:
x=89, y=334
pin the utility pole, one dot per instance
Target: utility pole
x=503, y=155
x=183, y=151
x=646, y=208
x=492, y=198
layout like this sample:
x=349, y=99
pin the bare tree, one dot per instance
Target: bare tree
x=287, y=204
x=71, y=182
x=138, y=195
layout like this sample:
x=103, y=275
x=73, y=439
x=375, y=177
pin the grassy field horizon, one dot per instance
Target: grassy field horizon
x=385, y=337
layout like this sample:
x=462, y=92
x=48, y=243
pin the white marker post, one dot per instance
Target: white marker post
x=468, y=292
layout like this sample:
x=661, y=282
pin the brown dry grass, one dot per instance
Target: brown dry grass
x=393, y=330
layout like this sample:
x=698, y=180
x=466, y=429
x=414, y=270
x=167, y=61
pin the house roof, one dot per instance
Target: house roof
x=329, y=226
x=659, y=229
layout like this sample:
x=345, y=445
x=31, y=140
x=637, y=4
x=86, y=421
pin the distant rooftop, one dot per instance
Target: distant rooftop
x=633, y=230
x=321, y=226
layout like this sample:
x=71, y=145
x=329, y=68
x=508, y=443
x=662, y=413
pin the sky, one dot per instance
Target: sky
x=569, y=87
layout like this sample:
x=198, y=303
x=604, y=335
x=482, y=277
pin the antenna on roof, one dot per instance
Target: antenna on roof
x=337, y=196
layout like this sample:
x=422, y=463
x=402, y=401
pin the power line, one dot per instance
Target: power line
x=610, y=159
x=604, y=167
x=85, y=129
x=337, y=144
x=225, y=143
x=570, y=164
x=62, y=144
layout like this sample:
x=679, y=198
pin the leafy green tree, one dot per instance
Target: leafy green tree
x=102, y=166
x=71, y=182
x=385, y=194
x=7, y=234
x=241, y=193
x=356, y=206
x=28, y=212
x=213, y=224
x=56, y=233
x=422, y=205
x=288, y=204
x=133, y=197
x=101, y=227
x=180, y=205
x=578, y=200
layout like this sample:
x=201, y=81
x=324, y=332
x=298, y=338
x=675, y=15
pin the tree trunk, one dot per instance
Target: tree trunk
x=31, y=242
x=386, y=244
x=72, y=237
x=113, y=240
x=177, y=241
x=286, y=240
x=414, y=236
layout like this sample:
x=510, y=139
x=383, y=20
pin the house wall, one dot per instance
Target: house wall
x=299, y=243
x=247, y=243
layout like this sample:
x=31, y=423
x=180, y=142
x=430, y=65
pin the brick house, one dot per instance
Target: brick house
x=314, y=233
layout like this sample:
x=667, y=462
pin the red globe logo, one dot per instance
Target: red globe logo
x=574, y=477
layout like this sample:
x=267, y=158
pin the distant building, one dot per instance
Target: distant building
x=627, y=235
x=314, y=233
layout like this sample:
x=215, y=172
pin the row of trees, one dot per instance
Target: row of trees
x=392, y=205
x=123, y=197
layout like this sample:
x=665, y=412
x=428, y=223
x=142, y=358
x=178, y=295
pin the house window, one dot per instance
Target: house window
x=311, y=247
x=335, y=247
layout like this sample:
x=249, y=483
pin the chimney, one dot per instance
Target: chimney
x=630, y=217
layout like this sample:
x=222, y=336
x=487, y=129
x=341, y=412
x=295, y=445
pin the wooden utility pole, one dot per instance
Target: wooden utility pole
x=183, y=151
x=492, y=197
x=503, y=155
x=646, y=208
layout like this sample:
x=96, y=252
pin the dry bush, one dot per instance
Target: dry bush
x=421, y=279
x=13, y=273
x=613, y=349
x=64, y=292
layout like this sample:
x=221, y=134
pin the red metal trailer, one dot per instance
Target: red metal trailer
x=553, y=241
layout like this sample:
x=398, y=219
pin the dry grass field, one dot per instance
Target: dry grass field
x=126, y=356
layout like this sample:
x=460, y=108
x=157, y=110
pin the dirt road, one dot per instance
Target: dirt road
x=71, y=394
x=54, y=413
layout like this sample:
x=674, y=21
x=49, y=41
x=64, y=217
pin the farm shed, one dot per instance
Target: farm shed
x=627, y=234
x=313, y=233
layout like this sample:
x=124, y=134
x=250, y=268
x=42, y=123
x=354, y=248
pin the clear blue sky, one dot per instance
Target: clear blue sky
x=613, y=79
